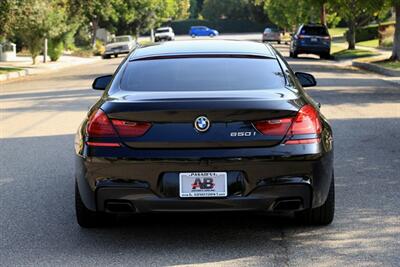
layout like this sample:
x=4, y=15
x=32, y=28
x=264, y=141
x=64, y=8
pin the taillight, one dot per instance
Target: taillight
x=306, y=122
x=273, y=127
x=99, y=125
x=131, y=128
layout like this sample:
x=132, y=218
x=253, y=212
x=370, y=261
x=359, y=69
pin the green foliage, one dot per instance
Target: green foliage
x=222, y=25
x=288, y=14
x=55, y=49
x=99, y=48
x=234, y=9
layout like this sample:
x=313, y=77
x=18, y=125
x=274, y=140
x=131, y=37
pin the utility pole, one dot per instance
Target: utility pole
x=45, y=51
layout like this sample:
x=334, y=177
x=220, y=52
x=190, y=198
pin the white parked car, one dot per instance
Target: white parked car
x=164, y=33
x=119, y=45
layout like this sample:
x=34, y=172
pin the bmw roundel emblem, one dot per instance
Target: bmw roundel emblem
x=201, y=124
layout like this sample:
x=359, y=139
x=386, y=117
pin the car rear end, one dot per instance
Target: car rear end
x=271, y=35
x=229, y=137
x=312, y=39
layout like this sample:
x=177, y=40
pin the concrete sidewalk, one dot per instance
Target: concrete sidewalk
x=25, y=63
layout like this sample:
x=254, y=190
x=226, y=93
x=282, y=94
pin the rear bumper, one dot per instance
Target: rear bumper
x=253, y=183
x=312, y=49
x=111, y=52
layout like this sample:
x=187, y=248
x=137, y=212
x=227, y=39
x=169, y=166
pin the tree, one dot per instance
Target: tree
x=357, y=13
x=288, y=14
x=7, y=16
x=396, y=37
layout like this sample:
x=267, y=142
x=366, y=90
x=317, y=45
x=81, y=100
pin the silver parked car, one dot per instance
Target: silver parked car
x=271, y=35
x=119, y=45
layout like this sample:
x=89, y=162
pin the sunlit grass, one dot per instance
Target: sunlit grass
x=370, y=43
x=354, y=53
x=337, y=32
x=389, y=64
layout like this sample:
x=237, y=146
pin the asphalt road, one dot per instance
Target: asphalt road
x=39, y=116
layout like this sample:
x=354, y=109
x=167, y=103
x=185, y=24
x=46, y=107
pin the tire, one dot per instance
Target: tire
x=211, y=35
x=87, y=218
x=193, y=35
x=321, y=215
x=325, y=56
x=293, y=54
x=116, y=55
x=106, y=56
x=279, y=42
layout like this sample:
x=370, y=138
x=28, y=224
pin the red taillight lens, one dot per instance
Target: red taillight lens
x=100, y=126
x=306, y=122
x=130, y=128
x=273, y=127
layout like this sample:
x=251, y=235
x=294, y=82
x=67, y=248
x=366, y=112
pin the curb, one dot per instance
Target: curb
x=376, y=68
x=13, y=75
x=27, y=72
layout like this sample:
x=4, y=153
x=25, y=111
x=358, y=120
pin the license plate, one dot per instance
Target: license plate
x=314, y=40
x=203, y=184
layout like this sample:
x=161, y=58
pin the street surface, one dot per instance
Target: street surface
x=38, y=119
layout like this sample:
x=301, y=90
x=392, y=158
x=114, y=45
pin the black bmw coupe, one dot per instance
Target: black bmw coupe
x=204, y=126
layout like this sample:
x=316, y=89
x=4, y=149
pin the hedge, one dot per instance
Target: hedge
x=222, y=25
x=369, y=32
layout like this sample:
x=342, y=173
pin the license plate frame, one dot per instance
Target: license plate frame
x=203, y=184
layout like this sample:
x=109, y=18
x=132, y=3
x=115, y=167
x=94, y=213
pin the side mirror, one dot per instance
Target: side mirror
x=306, y=79
x=101, y=83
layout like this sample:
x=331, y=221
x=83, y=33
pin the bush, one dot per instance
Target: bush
x=369, y=32
x=99, y=48
x=55, y=49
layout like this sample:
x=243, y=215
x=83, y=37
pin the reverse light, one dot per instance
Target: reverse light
x=273, y=127
x=131, y=128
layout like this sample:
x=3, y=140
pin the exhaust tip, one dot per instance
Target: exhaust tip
x=288, y=205
x=119, y=207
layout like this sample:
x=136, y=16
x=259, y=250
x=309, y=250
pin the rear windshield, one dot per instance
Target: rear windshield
x=202, y=74
x=162, y=30
x=314, y=30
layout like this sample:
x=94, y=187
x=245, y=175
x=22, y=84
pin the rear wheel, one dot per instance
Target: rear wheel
x=116, y=55
x=321, y=215
x=193, y=35
x=293, y=54
x=87, y=218
x=106, y=56
x=325, y=56
x=279, y=42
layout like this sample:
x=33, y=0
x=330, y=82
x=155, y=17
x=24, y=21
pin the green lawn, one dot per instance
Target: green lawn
x=4, y=70
x=356, y=53
x=370, y=43
x=389, y=64
x=337, y=32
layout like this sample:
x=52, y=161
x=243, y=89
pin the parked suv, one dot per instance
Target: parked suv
x=119, y=45
x=202, y=31
x=311, y=39
x=164, y=33
x=271, y=35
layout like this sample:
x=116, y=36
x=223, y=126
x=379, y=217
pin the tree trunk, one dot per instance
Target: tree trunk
x=323, y=14
x=95, y=25
x=396, y=38
x=351, y=35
